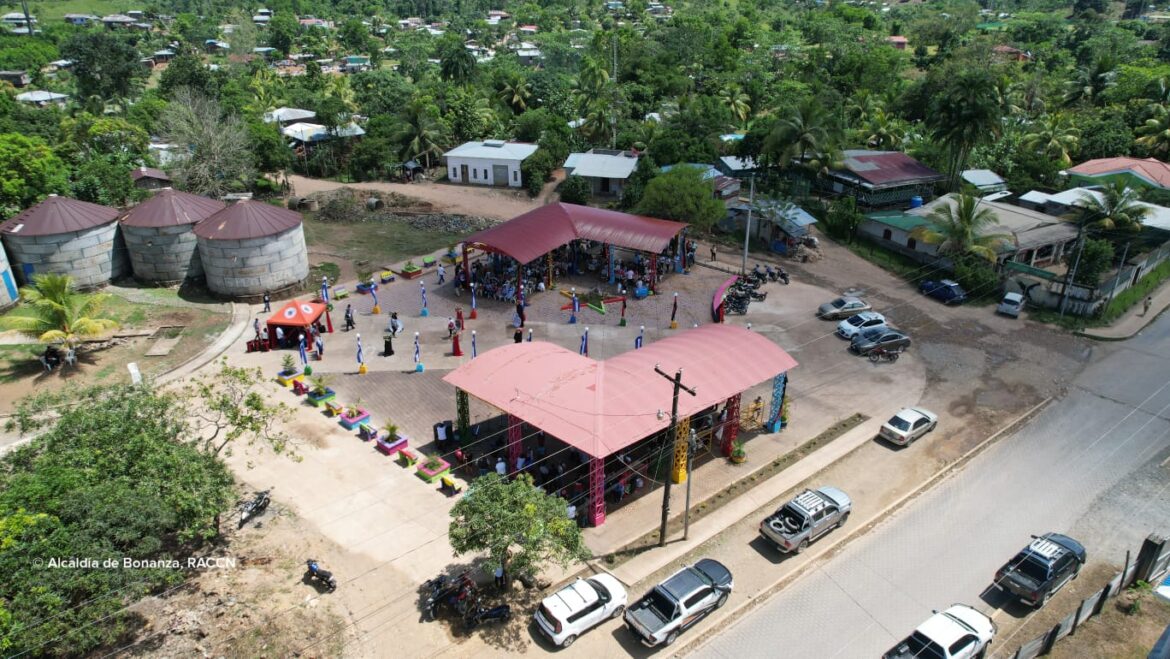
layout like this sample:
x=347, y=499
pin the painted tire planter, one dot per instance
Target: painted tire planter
x=317, y=401
x=351, y=422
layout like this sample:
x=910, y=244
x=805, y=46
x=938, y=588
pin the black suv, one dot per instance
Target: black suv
x=1041, y=568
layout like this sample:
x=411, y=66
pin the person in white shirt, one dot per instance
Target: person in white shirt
x=501, y=467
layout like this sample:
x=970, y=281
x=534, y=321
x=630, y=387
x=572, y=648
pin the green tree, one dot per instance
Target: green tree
x=883, y=130
x=456, y=63
x=806, y=134
x=268, y=147
x=1053, y=137
x=515, y=92
x=282, y=32
x=1115, y=208
x=575, y=190
x=29, y=170
x=102, y=178
x=420, y=131
x=186, y=72
x=843, y=219
x=1154, y=134
x=964, y=114
x=960, y=228
x=54, y=312
x=354, y=36
x=1096, y=259
x=681, y=194
x=104, y=65
x=520, y=527
x=1089, y=83
x=737, y=102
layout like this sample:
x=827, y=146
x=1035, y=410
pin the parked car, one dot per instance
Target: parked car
x=908, y=425
x=960, y=632
x=1011, y=305
x=676, y=604
x=886, y=338
x=945, y=291
x=579, y=607
x=853, y=325
x=842, y=307
x=1042, y=568
x=810, y=515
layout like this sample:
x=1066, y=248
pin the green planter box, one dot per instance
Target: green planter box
x=318, y=401
x=412, y=272
x=429, y=476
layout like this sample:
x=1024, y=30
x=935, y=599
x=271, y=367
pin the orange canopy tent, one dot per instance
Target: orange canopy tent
x=295, y=315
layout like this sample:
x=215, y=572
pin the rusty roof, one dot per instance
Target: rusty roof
x=149, y=172
x=170, y=208
x=57, y=215
x=248, y=219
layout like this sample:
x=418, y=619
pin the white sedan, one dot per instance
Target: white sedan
x=908, y=425
x=854, y=325
x=579, y=607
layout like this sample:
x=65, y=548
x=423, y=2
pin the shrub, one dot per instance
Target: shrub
x=976, y=276
x=575, y=190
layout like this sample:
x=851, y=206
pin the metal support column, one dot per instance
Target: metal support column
x=609, y=250
x=596, y=491
x=466, y=265
x=549, y=273
x=653, y=273
x=682, y=438
x=730, y=426
x=779, y=390
x=515, y=442
x=462, y=415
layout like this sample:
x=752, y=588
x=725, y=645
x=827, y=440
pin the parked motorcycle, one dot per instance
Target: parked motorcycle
x=456, y=593
x=758, y=296
x=320, y=575
x=254, y=508
x=479, y=615
x=879, y=354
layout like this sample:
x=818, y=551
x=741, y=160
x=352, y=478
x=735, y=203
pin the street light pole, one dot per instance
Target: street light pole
x=676, y=380
x=692, y=441
x=747, y=230
x=1071, y=276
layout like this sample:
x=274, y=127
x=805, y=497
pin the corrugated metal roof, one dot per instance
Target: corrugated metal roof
x=149, y=172
x=603, y=407
x=169, y=208
x=288, y=114
x=897, y=220
x=602, y=165
x=493, y=150
x=881, y=168
x=248, y=219
x=57, y=215
x=1151, y=170
x=537, y=232
x=981, y=178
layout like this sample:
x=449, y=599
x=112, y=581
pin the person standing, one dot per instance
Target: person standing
x=713, y=259
x=442, y=274
x=264, y=334
x=520, y=312
x=395, y=324
x=256, y=326
x=1147, y=304
x=267, y=302
x=518, y=336
x=349, y=317
x=279, y=336
x=320, y=347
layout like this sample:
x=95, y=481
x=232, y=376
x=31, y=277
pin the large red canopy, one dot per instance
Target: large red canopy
x=539, y=231
x=601, y=407
x=297, y=314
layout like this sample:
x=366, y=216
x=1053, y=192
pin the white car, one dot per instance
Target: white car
x=908, y=425
x=579, y=607
x=960, y=632
x=1010, y=305
x=854, y=325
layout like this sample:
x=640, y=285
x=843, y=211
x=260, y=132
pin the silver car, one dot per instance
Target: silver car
x=854, y=325
x=1010, y=305
x=908, y=425
x=842, y=307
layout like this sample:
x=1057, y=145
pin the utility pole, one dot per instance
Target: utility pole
x=1120, y=267
x=1068, y=279
x=676, y=380
x=747, y=230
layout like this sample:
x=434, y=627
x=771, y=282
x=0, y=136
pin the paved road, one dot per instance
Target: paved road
x=1074, y=459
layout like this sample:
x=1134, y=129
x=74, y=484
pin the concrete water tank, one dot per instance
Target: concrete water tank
x=251, y=247
x=159, y=237
x=66, y=236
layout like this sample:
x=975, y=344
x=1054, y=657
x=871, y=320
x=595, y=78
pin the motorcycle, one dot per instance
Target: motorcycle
x=455, y=593
x=322, y=576
x=878, y=354
x=736, y=305
x=255, y=507
x=758, y=296
x=779, y=275
x=759, y=276
x=478, y=615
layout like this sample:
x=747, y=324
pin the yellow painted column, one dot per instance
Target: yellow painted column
x=682, y=437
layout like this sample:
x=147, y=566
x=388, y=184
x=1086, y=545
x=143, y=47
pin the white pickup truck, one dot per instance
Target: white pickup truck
x=679, y=602
x=960, y=632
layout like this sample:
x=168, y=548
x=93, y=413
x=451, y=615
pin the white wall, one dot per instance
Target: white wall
x=480, y=165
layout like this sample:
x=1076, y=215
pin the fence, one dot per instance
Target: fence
x=1151, y=565
x=1128, y=275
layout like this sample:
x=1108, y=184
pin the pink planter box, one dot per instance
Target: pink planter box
x=429, y=476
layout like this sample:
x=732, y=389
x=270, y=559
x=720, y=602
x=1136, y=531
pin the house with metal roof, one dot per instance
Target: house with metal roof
x=984, y=180
x=736, y=166
x=488, y=162
x=285, y=116
x=43, y=98
x=879, y=179
x=150, y=178
x=607, y=170
x=1137, y=172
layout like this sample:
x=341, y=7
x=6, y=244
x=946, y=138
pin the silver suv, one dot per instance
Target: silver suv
x=810, y=515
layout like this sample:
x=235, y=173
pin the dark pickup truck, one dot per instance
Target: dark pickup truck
x=679, y=602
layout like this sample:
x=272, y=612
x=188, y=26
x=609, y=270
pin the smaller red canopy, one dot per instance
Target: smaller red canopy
x=297, y=314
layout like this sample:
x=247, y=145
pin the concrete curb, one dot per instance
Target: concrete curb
x=763, y=596
x=235, y=329
x=1121, y=337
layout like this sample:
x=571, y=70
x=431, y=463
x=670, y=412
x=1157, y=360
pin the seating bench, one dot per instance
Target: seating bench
x=340, y=292
x=300, y=388
x=387, y=276
x=447, y=484
x=407, y=457
x=367, y=431
x=333, y=408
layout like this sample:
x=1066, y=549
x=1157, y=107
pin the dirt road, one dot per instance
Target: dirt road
x=499, y=203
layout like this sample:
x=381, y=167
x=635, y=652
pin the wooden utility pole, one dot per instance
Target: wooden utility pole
x=676, y=380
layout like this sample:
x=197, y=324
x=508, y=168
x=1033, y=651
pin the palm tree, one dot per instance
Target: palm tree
x=1155, y=133
x=597, y=126
x=1054, y=138
x=967, y=113
x=593, y=78
x=1114, y=208
x=738, y=102
x=883, y=130
x=515, y=92
x=419, y=131
x=54, y=312
x=338, y=87
x=807, y=131
x=1088, y=82
x=1026, y=97
x=457, y=64
x=959, y=229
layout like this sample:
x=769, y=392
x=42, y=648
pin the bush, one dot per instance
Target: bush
x=976, y=276
x=536, y=169
x=575, y=190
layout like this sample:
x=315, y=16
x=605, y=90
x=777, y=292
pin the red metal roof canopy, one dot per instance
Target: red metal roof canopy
x=297, y=314
x=56, y=215
x=171, y=208
x=149, y=172
x=887, y=167
x=601, y=407
x=248, y=219
x=544, y=229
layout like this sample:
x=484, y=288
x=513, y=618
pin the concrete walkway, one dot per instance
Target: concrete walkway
x=1134, y=320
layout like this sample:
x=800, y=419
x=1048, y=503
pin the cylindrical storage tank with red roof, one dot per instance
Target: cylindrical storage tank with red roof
x=69, y=237
x=160, y=238
x=251, y=247
x=8, y=291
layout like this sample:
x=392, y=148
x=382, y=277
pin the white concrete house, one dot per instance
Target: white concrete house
x=490, y=162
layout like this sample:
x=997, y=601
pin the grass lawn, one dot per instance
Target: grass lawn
x=378, y=243
x=54, y=10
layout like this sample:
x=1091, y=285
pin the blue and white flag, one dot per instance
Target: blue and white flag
x=576, y=304
x=638, y=340
x=301, y=349
x=530, y=336
x=416, y=353
x=520, y=295
x=424, y=295
x=585, y=342
x=320, y=345
x=473, y=297
x=325, y=290
x=360, y=357
x=374, y=293
x=473, y=344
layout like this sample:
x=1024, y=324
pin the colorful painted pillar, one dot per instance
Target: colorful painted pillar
x=609, y=250
x=779, y=390
x=549, y=273
x=682, y=438
x=466, y=265
x=596, y=491
x=654, y=272
x=730, y=426
x=515, y=442
x=462, y=415
x=680, y=252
